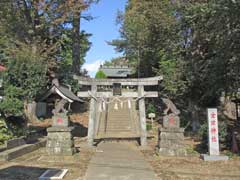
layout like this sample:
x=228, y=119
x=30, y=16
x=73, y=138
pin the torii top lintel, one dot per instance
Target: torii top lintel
x=152, y=81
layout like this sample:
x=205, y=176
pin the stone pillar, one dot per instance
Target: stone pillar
x=171, y=137
x=59, y=138
x=92, y=117
x=60, y=141
x=142, y=116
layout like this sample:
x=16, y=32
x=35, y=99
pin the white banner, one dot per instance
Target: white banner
x=213, y=131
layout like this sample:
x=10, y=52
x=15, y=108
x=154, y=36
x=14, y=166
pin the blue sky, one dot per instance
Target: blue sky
x=103, y=28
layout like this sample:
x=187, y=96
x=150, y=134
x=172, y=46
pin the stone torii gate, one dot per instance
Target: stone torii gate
x=141, y=94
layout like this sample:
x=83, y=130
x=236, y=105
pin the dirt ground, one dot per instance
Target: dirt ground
x=32, y=165
x=190, y=167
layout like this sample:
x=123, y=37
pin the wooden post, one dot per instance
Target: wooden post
x=142, y=116
x=92, y=117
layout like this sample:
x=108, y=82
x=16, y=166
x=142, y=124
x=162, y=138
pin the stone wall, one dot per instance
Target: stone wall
x=12, y=143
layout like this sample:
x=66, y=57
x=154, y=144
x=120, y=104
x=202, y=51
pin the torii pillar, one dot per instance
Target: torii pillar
x=142, y=116
x=92, y=117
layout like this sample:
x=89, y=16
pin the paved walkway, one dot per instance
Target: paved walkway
x=119, y=161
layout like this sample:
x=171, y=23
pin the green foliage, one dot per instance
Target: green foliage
x=193, y=44
x=118, y=61
x=5, y=134
x=191, y=151
x=17, y=127
x=231, y=154
x=149, y=126
x=36, y=41
x=12, y=104
x=100, y=75
x=203, y=134
x=151, y=108
x=26, y=70
x=173, y=83
x=222, y=132
x=211, y=31
x=24, y=79
x=150, y=38
x=65, y=65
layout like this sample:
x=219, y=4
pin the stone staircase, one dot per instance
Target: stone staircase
x=118, y=121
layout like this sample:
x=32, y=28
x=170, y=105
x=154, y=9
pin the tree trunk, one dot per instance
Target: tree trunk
x=30, y=112
x=194, y=116
x=76, y=43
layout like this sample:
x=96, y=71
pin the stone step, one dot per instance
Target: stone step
x=118, y=122
x=119, y=130
x=119, y=111
x=118, y=119
x=116, y=130
x=110, y=135
x=119, y=115
x=118, y=126
x=113, y=126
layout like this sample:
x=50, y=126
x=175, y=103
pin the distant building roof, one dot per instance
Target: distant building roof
x=116, y=71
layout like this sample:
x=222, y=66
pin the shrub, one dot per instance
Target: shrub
x=12, y=103
x=151, y=109
x=222, y=132
x=100, y=75
x=5, y=134
x=24, y=79
x=149, y=126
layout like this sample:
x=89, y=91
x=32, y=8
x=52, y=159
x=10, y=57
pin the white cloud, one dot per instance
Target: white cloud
x=92, y=68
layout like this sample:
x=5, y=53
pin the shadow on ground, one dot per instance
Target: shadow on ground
x=79, y=130
x=21, y=173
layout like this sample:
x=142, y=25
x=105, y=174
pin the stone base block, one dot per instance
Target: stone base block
x=60, y=141
x=171, y=142
x=172, y=152
x=174, y=136
x=207, y=157
x=172, y=130
x=61, y=151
